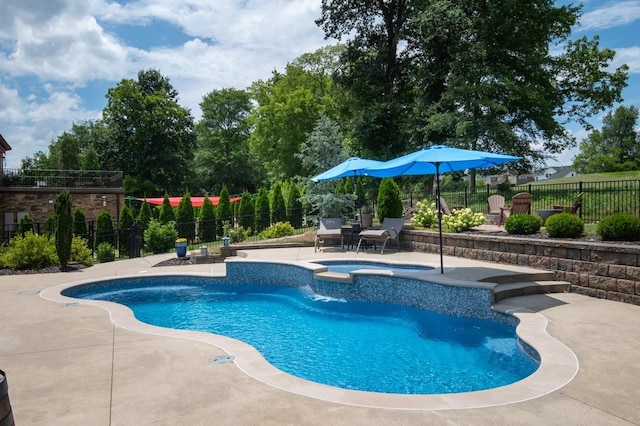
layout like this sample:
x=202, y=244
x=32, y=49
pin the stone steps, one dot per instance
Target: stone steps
x=526, y=288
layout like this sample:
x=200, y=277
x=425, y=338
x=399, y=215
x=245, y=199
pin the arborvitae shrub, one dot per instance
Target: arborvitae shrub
x=523, y=224
x=104, y=229
x=145, y=215
x=294, y=207
x=262, y=210
x=224, y=212
x=246, y=212
x=564, y=225
x=185, y=219
x=207, y=222
x=389, y=200
x=278, y=207
x=167, y=214
x=64, y=227
x=80, y=224
x=619, y=227
x=126, y=222
x=25, y=225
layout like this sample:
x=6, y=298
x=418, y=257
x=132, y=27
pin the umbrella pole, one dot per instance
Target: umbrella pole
x=439, y=215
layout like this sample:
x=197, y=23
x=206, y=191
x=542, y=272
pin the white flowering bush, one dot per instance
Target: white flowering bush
x=462, y=220
x=426, y=214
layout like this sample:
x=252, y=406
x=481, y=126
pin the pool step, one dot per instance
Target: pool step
x=526, y=288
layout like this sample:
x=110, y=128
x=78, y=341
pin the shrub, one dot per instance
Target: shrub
x=126, y=223
x=280, y=229
x=523, y=224
x=235, y=235
x=30, y=251
x=246, y=211
x=426, y=214
x=262, y=210
x=105, y=252
x=167, y=214
x=278, y=209
x=80, y=251
x=160, y=238
x=461, y=220
x=207, y=221
x=104, y=229
x=564, y=225
x=389, y=200
x=619, y=227
x=64, y=227
x=50, y=225
x=186, y=219
x=80, y=223
x=224, y=210
x=25, y=225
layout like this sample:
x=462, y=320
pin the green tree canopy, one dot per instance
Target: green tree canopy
x=614, y=148
x=223, y=142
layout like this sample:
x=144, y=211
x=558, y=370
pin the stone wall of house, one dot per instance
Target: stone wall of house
x=38, y=203
x=607, y=271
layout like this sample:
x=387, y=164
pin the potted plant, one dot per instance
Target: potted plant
x=366, y=217
x=181, y=247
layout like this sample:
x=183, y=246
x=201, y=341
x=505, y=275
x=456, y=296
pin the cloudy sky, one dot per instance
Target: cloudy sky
x=59, y=57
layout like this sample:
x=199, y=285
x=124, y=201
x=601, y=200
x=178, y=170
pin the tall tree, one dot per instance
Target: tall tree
x=223, y=142
x=288, y=106
x=375, y=68
x=614, y=148
x=152, y=136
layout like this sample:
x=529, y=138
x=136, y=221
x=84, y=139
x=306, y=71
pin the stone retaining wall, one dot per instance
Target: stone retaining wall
x=606, y=271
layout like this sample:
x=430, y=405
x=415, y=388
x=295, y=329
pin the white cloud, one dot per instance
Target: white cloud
x=614, y=14
x=629, y=56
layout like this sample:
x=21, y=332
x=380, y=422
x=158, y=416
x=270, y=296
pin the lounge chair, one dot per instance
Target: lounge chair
x=330, y=229
x=496, y=207
x=389, y=230
x=573, y=209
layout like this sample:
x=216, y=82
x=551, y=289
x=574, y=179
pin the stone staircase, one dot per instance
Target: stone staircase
x=525, y=284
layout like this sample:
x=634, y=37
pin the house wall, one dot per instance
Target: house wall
x=38, y=203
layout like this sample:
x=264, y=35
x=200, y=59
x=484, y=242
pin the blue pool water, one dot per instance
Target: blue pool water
x=346, y=266
x=353, y=345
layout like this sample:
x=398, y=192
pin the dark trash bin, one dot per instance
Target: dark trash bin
x=134, y=240
x=6, y=416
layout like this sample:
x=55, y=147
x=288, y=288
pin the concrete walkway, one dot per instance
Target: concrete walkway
x=70, y=365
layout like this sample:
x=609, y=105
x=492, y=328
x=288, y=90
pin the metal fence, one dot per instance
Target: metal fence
x=61, y=178
x=599, y=199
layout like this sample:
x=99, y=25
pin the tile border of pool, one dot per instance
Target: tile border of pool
x=558, y=365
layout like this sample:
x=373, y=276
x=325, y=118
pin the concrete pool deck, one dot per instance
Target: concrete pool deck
x=69, y=364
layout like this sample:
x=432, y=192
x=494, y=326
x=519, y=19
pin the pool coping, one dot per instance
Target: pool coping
x=558, y=364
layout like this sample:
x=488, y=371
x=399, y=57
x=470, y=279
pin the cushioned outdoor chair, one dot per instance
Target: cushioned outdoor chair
x=330, y=229
x=389, y=231
x=573, y=209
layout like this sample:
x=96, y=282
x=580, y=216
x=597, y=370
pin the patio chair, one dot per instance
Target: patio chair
x=330, y=229
x=496, y=207
x=444, y=208
x=389, y=231
x=573, y=209
x=521, y=203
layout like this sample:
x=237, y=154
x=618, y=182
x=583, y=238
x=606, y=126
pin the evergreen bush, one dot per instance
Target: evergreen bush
x=167, y=214
x=160, y=238
x=523, y=224
x=126, y=223
x=145, y=215
x=262, y=211
x=619, y=227
x=64, y=227
x=207, y=222
x=246, y=212
x=80, y=224
x=389, y=200
x=278, y=207
x=80, y=251
x=224, y=211
x=564, y=225
x=185, y=219
x=294, y=206
x=104, y=229
x=25, y=225
x=50, y=225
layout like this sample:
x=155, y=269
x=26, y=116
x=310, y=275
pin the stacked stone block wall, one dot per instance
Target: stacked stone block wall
x=607, y=271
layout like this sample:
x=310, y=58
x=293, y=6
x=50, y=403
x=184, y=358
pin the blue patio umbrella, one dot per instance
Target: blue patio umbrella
x=435, y=160
x=354, y=166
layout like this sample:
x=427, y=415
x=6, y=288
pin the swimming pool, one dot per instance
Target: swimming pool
x=366, y=346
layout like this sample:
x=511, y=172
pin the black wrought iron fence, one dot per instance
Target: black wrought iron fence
x=599, y=199
x=61, y=178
